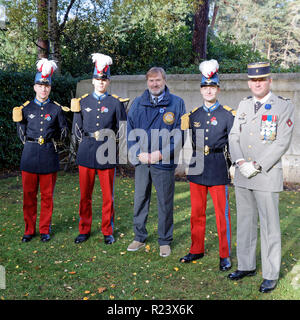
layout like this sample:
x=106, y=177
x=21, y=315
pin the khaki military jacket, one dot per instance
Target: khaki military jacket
x=263, y=137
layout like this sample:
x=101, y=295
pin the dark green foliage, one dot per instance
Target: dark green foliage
x=15, y=89
x=232, y=58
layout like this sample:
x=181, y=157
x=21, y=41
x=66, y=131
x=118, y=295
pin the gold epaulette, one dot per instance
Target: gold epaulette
x=230, y=110
x=75, y=103
x=17, y=112
x=120, y=99
x=66, y=109
x=185, y=119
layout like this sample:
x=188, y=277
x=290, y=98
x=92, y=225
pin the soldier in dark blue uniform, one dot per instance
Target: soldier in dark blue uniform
x=95, y=116
x=215, y=121
x=39, y=123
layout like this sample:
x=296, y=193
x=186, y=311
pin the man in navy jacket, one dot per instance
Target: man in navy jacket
x=154, y=142
x=39, y=122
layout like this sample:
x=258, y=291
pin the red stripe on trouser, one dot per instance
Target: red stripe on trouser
x=87, y=181
x=198, y=217
x=31, y=183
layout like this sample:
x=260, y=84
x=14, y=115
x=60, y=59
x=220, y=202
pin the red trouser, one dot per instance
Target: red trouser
x=220, y=200
x=86, y=181
x=31, y=182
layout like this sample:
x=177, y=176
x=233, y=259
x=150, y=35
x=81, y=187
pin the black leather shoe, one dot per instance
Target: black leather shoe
x=238, y=274
x=27, y=237
x=191, y=257
x=268, y=285
x=82, y=238
x=109, y=239
x=45, y=237
x=225, y=264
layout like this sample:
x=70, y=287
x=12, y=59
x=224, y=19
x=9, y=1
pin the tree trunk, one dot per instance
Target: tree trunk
x=200, y=30
x=214, y=17
x=42, y=28
x=54, y=34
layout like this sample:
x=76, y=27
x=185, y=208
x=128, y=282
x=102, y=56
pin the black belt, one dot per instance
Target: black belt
x=95, y=134
x=39, y=140
x=207, y=150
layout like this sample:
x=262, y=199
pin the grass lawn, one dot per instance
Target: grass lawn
x=62, y=270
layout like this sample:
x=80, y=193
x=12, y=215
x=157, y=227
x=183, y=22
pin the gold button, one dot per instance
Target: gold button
x=98, y=117
x=42, y=108
x=41, y=129
x=249, y=146
x=206, y=130
x=208, y=114
x=42, y=115
x=253, y=121
x=206, y=138
x=251, y=134
x=41, y=122
x=249, y=159
x=97, y=124
x=207, y=122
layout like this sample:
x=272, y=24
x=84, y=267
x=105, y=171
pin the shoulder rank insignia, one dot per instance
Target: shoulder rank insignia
x=125, y=101
x=66, y=109
x=246, y=98
x=17, y=112
x=120, y=99
x=75, y=103
x=185, y=119
x=233, y=112
x=283, y=98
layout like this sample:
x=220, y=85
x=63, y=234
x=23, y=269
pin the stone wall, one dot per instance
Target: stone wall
x=234, y=88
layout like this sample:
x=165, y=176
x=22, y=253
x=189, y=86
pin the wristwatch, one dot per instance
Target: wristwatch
x=257, y=166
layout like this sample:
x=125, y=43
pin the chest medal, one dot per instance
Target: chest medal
x=268, y=128
x=213, y=121
x=48, y=117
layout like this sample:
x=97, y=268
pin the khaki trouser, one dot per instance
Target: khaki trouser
x=250, y=205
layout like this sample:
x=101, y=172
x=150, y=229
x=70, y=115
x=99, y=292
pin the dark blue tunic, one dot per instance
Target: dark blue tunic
x=216, y=124
x=96, y=114
x=44, y=120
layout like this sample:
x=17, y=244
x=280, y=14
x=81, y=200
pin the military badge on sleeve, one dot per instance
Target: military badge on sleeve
x=289, y=122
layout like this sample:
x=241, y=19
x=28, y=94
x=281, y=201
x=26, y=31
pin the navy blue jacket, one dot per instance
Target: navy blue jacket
x=143, y=114
x=45, y=120
x=216, y=125
x=96, y=114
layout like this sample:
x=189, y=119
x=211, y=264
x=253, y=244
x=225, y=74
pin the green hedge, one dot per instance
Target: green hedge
x=15, y=89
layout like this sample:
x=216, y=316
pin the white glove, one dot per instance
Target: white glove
x=155, y=156
x=248, y=170
x=232, y=172
x=144, y=157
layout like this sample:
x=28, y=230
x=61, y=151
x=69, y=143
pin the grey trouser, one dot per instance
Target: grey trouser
x=164, y=182
x=250, y=205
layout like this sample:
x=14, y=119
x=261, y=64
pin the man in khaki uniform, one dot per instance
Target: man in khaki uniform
x=260, y=136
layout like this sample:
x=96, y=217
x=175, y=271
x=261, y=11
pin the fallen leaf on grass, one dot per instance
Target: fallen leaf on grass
x=102, y=289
